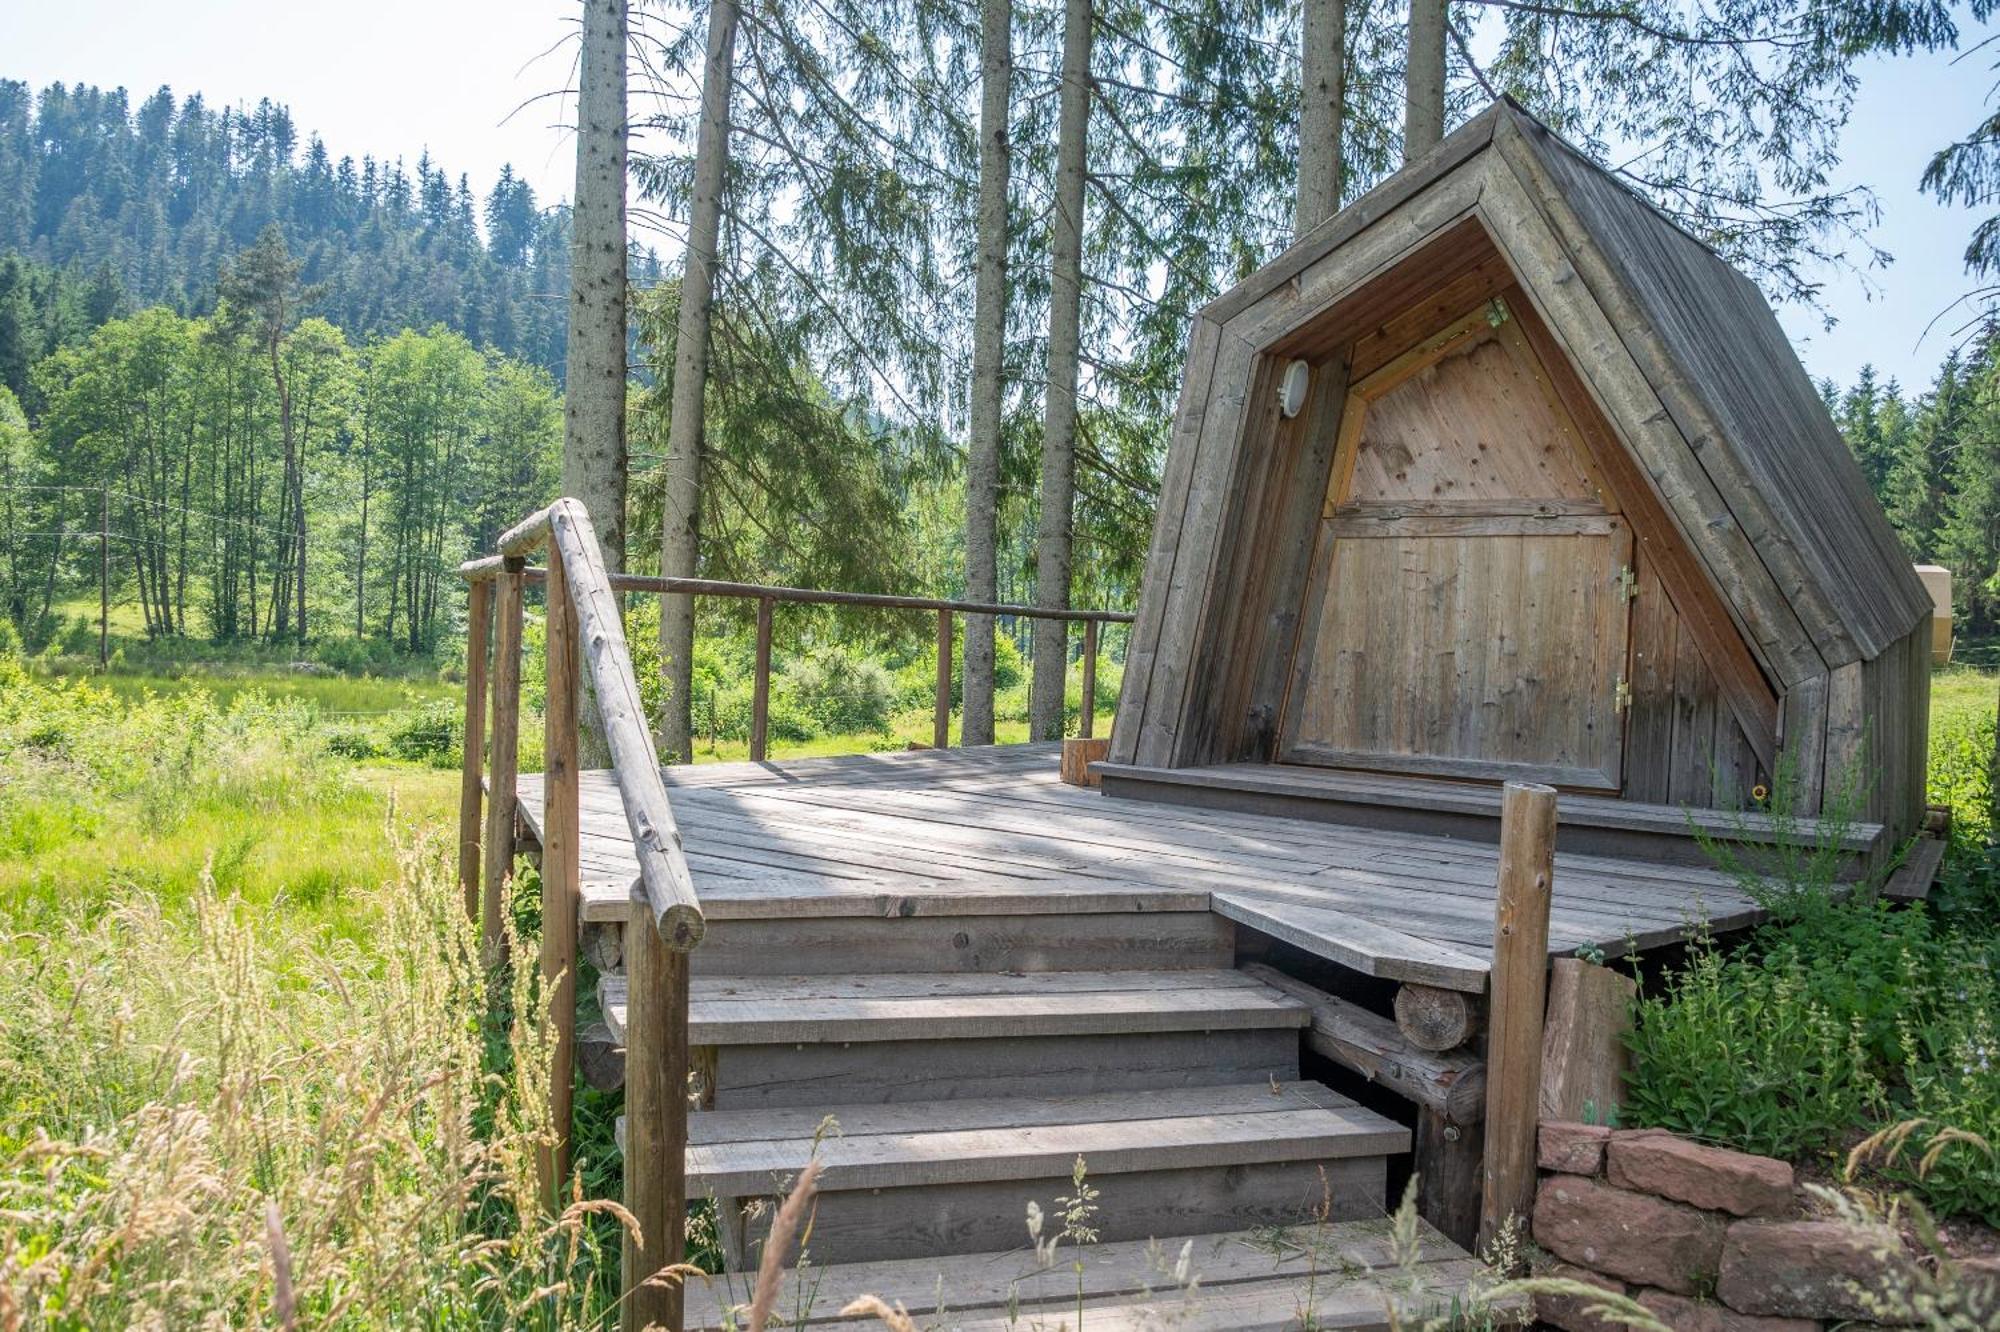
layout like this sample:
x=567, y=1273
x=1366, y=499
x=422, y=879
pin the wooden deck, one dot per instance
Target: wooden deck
x=977, y=832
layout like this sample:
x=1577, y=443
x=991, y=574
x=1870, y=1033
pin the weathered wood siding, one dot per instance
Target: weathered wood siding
x=1683, y=744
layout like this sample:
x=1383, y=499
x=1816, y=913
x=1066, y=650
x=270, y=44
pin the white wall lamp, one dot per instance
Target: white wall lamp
x=1292, y=388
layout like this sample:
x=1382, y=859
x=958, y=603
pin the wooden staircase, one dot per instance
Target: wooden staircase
x=945, y=1093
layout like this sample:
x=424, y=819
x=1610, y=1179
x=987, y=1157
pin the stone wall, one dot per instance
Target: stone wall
x=1708, y=1240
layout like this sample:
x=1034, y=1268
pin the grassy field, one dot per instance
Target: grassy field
x=241, y=1027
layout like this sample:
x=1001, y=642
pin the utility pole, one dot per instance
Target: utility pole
x=104, y=579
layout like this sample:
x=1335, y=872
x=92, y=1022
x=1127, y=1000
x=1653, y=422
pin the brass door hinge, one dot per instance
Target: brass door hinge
x=1621, y=695
x=1628, y=584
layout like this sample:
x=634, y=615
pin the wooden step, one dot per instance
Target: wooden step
x=975, y=941
x=795, y=1010
x=1342, y=1274
x=861, y=1040
x=942, y=1177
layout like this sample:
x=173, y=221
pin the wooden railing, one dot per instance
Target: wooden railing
x=583, y=627
x=666, y=919
x=768, y=599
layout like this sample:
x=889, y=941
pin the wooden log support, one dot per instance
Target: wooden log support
x=561, y=879
x=760, y=696
x=1583, y=1041
x=656, y=1110
x=1520, y=983
x=941, y=710
x=502, y=765
x=1087, y=710
x=1434, y=1019
x=478, y=633
x=1453, y=1083
x=1448, y=1157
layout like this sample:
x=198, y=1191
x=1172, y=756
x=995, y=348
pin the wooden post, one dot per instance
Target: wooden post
x=1087, y=719
x=656, y=1109
x=561, y=836
x=1520, y=980
x=1583, y=1041
x=941, y=718
x=760, y=697
x=501, y=793
x=104, y=580
x=1448, y=1184
x=478, y=630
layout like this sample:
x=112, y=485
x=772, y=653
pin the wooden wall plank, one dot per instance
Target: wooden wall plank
x=1649, y=724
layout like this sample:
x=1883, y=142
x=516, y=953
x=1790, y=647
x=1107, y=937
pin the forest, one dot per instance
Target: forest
x=306, y=385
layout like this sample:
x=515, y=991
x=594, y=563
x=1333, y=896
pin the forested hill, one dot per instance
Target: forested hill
x=154, y=198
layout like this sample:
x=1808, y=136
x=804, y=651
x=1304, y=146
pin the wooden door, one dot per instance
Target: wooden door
x=1468, y=615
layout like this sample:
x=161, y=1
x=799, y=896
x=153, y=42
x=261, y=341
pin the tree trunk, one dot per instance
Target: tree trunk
x=361, y=543
x=680, y=517
x=593, y=468
x=1423, y=108
x=989, y=341
x=1323, y=94
x=1054, y=530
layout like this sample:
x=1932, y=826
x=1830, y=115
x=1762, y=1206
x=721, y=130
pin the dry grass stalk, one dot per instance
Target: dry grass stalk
x=896, y=1319
x=789, y=1222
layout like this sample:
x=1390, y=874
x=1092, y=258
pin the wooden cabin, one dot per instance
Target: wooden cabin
x=1500, y=474
x=1496, y=474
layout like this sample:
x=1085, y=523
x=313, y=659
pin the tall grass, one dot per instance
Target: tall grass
x=225, y=1116
x=250, y=1072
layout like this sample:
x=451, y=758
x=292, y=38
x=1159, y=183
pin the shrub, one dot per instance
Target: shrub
x=1846, y=1012
x=1952, y=1067
x=429, y=734
x=840, y=691
x=352, y=742
x=1730, y=1050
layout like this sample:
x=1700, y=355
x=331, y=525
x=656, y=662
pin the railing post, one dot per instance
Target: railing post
x=1520, y=986
x=760, y=696
x=656, y=1110
x=478, y=629
x=941, y=711
x=1087, y=718
x=561, y=838
x=502, y=792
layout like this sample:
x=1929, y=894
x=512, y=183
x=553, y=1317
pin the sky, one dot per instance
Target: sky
x=470, y=82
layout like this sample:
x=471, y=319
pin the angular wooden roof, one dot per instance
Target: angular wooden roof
x=1749, y=399
x=1680, y=351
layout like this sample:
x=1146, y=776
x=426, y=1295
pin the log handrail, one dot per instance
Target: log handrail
x=666, y=921
x=635, y=764
x=491, y=565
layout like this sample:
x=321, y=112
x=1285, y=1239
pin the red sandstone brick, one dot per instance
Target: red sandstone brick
x=1807, y=1269
x=1570, y=1312
x=1630, y=1235
x=1701, y=1176
x=1571, y=1148
x=1685, y=1315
